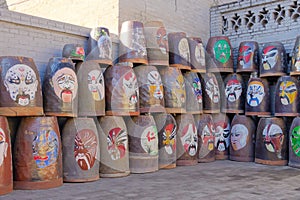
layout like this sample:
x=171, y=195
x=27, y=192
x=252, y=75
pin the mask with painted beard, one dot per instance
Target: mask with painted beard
x=189, y=139
x=169, y=138
x=117, y=143
x=131, y=89
x=233, y=90
x=65, y=84
x=96, y=84
x=287, y=92
x=162, y=40
x=85, y=149
x=21, y=83
x=269, y=57
x=155, y=84
x=222, y=130
x=212, y=89
x=255, y=93
x=273, y=138
x=207, y=140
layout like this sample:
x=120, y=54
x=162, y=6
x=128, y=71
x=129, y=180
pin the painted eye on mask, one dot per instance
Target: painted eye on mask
x=295, y=135
x=206, y=133
x=195, y=139
x=29, y=80
x=271, y=55
x=14, y=80
x=226, y=133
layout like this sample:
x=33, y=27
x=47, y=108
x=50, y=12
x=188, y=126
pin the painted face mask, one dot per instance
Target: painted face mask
x=287, y=92
x=105, y=45
x=179, y=91
x=200, y=54
x=245, y=55
x=156, y=87
x=184, y=50
x=212, y=89
x=162, y=40
x=222, y=130
x=273, y=139
x=169, y=136
x=138, y=42
x=65, y=84
x=197, y=90
x=85, y=149
x=130, y=86
x=149, y=140
x=189, y=139
x=295, y=140
x=222, y=51
x=96, y=84
x=269, y=57
x=45, y=148
x=239, y=134
x=233, y=90
x=207, y=139
x=21, y=83
x=117, y=143
x=255, y=93
x=3, y=146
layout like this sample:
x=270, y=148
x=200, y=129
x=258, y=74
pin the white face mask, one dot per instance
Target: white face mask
x=212, y=89
x=96, y=84
x=269, y=57
x=21, y=83
x=189, y=139
x=239, y=134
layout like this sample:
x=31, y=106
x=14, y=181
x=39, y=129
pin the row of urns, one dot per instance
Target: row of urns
x=139, y=44
x=116, y=146
x=257, y=96
x=152, y=45
x=83, y=90
x=270, y=61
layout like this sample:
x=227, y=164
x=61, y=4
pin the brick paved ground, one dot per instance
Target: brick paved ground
x=216, y=180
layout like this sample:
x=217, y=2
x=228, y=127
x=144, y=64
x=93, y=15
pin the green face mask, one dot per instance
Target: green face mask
x=222, y=51
x=295, y=140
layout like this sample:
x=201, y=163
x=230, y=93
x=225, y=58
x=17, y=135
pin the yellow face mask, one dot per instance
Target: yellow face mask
x=180, y=90
x=287, y=92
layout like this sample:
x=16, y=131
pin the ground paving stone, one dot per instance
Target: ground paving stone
x=216, y=180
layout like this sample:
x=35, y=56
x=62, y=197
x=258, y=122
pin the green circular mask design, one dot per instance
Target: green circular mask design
x=295, y=140
x=222, y=51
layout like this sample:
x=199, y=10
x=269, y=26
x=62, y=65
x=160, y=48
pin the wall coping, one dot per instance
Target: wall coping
x=236, y=5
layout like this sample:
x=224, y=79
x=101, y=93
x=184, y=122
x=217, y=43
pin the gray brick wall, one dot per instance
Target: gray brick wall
x=259, y=20
x=39, y=38
x=3, y=4
x=189, y=16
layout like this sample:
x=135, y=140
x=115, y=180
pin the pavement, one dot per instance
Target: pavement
x=222, y=179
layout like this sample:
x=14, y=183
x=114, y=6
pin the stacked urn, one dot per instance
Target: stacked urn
x=166, y=101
